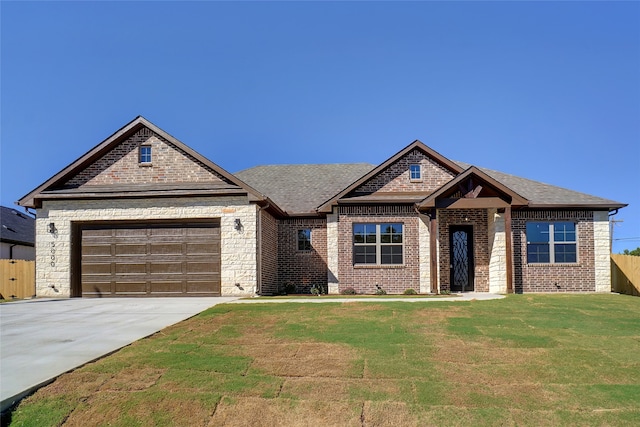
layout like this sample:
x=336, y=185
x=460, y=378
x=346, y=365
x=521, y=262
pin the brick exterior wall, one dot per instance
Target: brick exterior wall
x=121, y=165
x=477, y=218
x=303, y=269
x=393, y=279
x=269, y=254
x=396, y=177
x=579, y=277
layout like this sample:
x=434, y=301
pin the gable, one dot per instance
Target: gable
x=391, y=181
x=396, y=178
x=111, y=170
x=121, y=165
x=473, y=188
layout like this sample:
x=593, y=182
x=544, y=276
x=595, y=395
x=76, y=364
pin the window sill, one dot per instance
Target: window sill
x=378, y=266
x=145, y=165
x=554, y=264
x=416, y=180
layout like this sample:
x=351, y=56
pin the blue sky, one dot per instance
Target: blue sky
x=545, y=90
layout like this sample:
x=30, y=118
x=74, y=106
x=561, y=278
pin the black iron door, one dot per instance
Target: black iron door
x=461, y=257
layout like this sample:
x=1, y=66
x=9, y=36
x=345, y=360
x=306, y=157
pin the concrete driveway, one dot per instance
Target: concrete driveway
x=41, y=339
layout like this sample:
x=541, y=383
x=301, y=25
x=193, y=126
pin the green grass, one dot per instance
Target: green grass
x=526, y=360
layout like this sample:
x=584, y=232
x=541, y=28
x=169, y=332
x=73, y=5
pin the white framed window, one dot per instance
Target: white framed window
x=551, y=242
x=304, y=239
x=415, y=173
x=378, y=244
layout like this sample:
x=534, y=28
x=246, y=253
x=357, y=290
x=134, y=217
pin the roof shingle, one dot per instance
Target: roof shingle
x=300, y=189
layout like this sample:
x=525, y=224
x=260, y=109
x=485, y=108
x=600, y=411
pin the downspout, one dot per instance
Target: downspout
x=259, y=249
x=259, y=252
x=11, y=250
x=611, y=223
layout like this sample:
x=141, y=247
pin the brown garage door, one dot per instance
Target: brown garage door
x=172, y=259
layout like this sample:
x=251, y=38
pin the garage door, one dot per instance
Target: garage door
x=171, y=259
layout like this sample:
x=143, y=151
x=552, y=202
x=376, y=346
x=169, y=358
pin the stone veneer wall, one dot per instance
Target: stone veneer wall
x=424, y=258
x=238, y=248
x=396, y=177
x=497, y=252
x=268, y=254
x=332, y=253
x=602, y=251
x=477, y=218
x=579, y=277
x=121, y=165
x=394, y=279
x=303, y=269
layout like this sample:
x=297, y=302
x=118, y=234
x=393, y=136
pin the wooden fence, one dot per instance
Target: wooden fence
x=625, y=274
x=17, y=278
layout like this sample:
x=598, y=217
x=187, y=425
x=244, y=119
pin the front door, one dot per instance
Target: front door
x=461, y=257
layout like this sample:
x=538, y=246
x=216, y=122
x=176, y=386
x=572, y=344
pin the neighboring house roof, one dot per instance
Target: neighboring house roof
x=299, y=189
x=17, y=227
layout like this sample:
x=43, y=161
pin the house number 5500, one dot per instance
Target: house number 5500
x=53, y=254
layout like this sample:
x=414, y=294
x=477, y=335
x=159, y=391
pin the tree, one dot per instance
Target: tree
x=635, y=252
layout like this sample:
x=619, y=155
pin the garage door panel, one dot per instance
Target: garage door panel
x=130, y=249
x=156, y=259
x=96, y=269
x=131, y=232
x=96, y=288
x=201, y=248
x=202, y=267
x=167, y=248
x=166, y=268
x=131, y=268
x=165, y=287
x=202, y=231
x=89, y=233
x=123, y=287
x=195, y=287
x=96, y=250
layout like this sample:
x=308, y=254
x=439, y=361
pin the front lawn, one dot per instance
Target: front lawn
x=524, y=360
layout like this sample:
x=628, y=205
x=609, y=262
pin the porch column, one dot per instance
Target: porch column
x=433, y=250
x=508, y=243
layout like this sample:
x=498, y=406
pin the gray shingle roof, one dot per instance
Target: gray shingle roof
x=299, y=189
x=17, y=227
x=540, y=194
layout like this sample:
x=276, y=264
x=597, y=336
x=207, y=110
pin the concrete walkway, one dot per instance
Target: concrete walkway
x=43, y=338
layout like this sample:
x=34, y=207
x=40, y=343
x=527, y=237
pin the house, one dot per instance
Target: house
x=142, y=214
x=17, y=235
